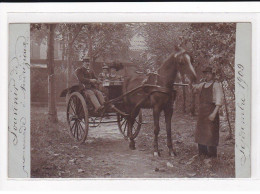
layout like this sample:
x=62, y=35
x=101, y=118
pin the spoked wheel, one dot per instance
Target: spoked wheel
x=123, y=125
x=77, y=117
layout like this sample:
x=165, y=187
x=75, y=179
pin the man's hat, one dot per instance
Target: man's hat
x=105, y=66
x=117, y=66
x=207, y=69
x=86, y=59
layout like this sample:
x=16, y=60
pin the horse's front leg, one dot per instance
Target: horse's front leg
x=130, y=133
x=156, y=117
x=168, y=118
x=131, y=121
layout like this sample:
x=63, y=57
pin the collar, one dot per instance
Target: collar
x=112, y=75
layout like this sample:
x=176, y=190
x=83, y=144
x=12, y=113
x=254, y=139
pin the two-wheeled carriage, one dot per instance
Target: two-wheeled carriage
x=81, y=115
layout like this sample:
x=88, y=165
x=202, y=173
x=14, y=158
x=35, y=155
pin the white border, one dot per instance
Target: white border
x=173, y=184
x=128, y=17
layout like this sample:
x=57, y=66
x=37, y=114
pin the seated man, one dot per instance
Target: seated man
x=89, y=80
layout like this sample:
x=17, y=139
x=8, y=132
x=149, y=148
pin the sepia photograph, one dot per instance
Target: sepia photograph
x=132, y=100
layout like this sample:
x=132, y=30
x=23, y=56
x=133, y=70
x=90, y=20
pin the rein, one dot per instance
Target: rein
x=147, y=88
x=156, y=88
x=143, y=87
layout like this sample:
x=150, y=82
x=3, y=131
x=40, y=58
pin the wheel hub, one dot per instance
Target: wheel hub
x=73, y=118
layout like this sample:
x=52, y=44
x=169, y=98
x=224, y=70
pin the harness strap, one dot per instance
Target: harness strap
x=156, y=89
x=160, y=90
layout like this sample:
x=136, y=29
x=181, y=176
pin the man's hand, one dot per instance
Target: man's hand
x=212, y=117
x=214, y=113
x=93, y=81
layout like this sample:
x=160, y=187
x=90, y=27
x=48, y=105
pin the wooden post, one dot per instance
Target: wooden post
x=183, y=95
x=227, y=114
x=192, y=109
x=225, y=101
x=184, y=99
x=52, y=113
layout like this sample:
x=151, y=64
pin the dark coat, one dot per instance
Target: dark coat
x=84, y=77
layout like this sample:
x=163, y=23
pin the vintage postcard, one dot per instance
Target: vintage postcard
x=129, y=100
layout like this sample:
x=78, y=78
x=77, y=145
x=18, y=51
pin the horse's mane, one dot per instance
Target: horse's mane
x=170, y=59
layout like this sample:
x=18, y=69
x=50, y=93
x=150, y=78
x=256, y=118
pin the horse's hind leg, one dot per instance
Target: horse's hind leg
x=131, y=122
x=168, y=117
x=130, y=133
x=156, y=117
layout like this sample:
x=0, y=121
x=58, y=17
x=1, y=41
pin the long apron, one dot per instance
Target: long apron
x=207, y=132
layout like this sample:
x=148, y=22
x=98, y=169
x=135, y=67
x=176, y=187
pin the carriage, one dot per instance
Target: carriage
x=154, y=91
x=81, y=115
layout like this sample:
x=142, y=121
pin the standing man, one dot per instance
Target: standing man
x=211, y=98
x=104, y=75
x=89, y=80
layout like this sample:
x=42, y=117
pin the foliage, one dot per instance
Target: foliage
x=39, y=33
x=96, y=39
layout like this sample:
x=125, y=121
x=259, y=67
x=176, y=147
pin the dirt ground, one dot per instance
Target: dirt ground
x=54, y=153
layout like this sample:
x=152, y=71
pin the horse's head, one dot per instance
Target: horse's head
x=185, y=67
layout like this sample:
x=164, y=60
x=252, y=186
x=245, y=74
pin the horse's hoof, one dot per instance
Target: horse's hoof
x=132, y=145
x=156, y=154
x=172, y=153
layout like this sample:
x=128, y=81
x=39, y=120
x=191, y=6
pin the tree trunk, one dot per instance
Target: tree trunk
x=71, y=39
x=69, y=60
x=63, y=48
x=90, y=49
x=52, y=114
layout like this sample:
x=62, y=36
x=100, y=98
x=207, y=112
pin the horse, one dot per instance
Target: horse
x=158, y=98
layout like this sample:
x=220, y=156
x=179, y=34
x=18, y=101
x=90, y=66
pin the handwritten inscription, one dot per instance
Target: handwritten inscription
x=19, y=69
x=241, y=111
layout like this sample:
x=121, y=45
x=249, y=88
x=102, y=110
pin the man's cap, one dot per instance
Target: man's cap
x=207, y=69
